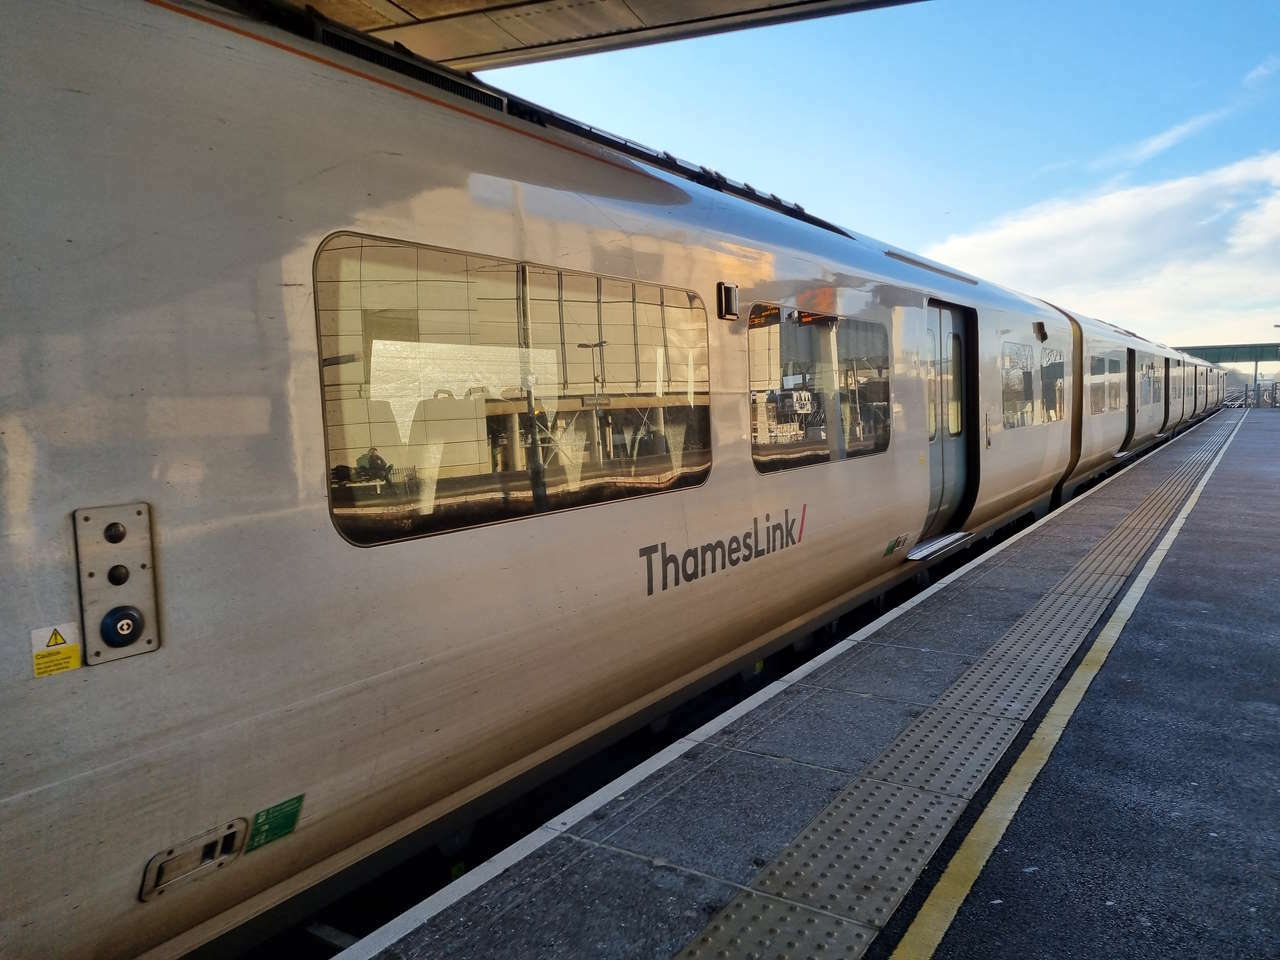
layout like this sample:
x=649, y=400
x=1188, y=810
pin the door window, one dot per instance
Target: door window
x=931, y=378
x=819, y=387
x=955, y=385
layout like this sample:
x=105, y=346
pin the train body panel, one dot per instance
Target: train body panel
x=168, y=339
x=1104, y=421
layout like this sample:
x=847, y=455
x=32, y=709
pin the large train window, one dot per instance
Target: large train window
x=1017, y=390
x=819, y=387
x=461, y=389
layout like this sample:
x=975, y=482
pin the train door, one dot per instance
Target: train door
x=947, y=402
x=1177, y=398
x=1130, y=387
x=1164, y=424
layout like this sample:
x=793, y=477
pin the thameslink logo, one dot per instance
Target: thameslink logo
x=702, y=561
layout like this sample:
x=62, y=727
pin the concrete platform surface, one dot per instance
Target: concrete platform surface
x=797, y=824
x=1154, y=829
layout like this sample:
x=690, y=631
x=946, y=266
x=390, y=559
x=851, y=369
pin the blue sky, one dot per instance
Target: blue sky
x=1122, y=159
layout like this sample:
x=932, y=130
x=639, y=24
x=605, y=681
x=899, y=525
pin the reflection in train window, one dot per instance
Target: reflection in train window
x=953, y=384
x=931, y=381
x=462, y=389
x=1017, y=389
x=1175, y=380
x=1157, y=381
x=1097, y=384
x=1052, y=384
x=1145, y=372
x=819, y=387
x=1117, y=387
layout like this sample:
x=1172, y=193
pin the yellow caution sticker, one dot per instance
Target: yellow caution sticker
x=55, y=649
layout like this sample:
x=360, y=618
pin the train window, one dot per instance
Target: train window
x=1157, y=382
x=1017, y=362
x=931, y=383
x=1117, y=388
x=1097, y=384
x=1053, y=373
x=819, y=387
x=954, y=386
x=1146, y=379
x=461, y=389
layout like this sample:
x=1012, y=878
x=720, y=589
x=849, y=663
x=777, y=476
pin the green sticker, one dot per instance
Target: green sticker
x=274, y=822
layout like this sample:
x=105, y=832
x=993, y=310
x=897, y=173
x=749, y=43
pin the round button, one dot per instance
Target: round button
x=122, y=626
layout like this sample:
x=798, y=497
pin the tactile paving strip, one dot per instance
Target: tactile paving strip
x=1021, y=668
x=1086, y=584
x=1110, y=565
x=860, y=856
x=946, y=751
x=856, y=860
x=757, y=927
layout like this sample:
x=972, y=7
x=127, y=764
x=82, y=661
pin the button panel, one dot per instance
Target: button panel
x=116, y=567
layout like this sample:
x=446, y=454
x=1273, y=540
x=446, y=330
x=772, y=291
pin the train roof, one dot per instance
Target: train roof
x=877, y=257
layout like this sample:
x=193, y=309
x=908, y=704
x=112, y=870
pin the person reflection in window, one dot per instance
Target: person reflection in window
x=371, y=466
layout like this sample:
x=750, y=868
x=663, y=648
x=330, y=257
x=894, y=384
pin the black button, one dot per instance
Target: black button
x=122, y=626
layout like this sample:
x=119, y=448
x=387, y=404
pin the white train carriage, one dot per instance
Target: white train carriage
x=450, y=436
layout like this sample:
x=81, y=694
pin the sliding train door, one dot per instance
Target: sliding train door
x=948, y=432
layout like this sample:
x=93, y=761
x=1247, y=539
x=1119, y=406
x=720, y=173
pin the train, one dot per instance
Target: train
x=375, y=439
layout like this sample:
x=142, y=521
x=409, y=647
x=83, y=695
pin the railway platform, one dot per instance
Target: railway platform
x=1067, y=748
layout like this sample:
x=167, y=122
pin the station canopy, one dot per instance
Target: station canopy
x=1235, y=352
x=479, y=34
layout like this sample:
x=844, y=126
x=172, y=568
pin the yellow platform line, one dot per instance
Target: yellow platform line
x=939, y=910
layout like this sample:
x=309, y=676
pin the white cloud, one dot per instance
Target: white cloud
x=1263, y=70
x=1194, y=259
x=1142, y=151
